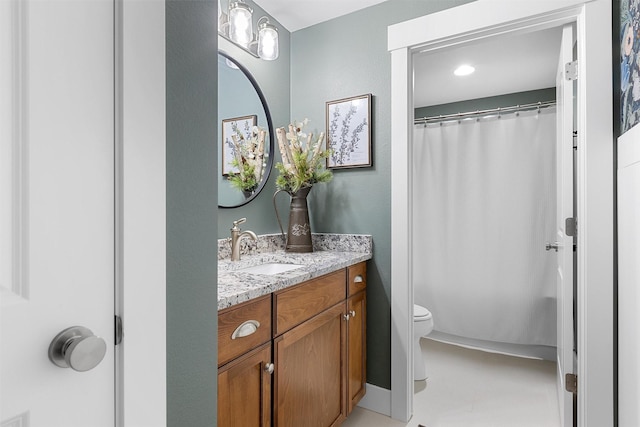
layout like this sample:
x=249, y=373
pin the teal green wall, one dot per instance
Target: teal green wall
x=344, y=57
x=191, y=86
x=273, y=77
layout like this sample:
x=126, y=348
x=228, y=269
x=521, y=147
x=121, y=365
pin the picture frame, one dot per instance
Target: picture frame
x=244, y=124
x=348, y=132
x=629, y=61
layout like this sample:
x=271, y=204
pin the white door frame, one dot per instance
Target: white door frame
x=629, y=276
x=474, y=21
x=141, y=212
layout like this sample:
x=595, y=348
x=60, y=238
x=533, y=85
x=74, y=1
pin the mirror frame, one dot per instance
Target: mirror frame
x=269, y=167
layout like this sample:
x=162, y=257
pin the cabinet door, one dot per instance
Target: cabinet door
x=357, y=348
x=310, y=378
x=244, y=390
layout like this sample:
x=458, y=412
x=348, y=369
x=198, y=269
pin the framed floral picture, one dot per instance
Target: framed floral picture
x=629, y=63
x=349, y=132
x=234, y=126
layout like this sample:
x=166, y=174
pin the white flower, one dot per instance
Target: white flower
x=301, y=157
x=635, y=90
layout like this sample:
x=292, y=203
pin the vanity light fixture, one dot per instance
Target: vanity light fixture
x=267, y=40
x=240, y=23
x=237, y=26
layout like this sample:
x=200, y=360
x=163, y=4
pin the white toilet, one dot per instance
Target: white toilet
x=422, y=326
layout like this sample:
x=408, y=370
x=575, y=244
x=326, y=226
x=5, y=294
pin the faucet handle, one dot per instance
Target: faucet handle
x=239, y=221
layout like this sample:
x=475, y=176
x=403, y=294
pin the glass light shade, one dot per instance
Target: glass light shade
x=267, y=41
x=240, y=24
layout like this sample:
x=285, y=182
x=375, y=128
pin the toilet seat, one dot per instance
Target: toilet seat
x=420, y=313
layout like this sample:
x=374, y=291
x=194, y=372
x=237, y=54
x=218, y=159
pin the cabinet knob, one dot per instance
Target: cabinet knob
x=345, y=316
x=268, y=368
x=352, y=313
x=358, y=279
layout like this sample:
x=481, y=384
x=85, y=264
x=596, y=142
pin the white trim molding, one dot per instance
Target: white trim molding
x=377, y=399
x=478, y=20
x=141, y=212
x=488, y=18
x=629, y=277
x=401, y=282
x=595, y=216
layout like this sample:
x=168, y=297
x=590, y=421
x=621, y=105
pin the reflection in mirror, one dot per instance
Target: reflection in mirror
x=245, y=146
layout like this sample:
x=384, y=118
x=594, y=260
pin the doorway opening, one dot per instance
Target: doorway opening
x=484, y=195
x=475, y=21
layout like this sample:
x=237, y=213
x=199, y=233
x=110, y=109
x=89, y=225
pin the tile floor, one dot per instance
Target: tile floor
x=472, y=388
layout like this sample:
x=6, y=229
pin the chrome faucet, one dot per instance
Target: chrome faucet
x=236, y=236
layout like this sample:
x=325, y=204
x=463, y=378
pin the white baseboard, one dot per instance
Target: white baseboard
x=377, y=399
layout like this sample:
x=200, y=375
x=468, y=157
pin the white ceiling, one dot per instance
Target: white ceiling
x=503, y=65
x=297, y=14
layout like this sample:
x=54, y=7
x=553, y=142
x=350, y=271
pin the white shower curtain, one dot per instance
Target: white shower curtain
x=483, y=208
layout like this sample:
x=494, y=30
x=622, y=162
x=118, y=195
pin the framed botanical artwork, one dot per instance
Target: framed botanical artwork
x=629, y=63
x=349, y=132
x=234, y=126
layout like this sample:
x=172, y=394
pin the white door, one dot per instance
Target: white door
x=628, y=278
x=56, y=209
x=564, y=241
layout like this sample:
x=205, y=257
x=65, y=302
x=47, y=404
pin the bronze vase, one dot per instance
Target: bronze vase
x=298, y=238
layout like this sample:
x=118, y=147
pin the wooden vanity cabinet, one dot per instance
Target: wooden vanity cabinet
x=245, y=364
x=316, y=333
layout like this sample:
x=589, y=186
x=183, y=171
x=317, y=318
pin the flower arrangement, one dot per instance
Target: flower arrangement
x=302, y=158
x=249, y=158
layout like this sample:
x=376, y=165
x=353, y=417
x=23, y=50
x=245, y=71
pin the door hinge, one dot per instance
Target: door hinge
x=570, y=227
x=118, y=330
x=571, y=70
x=571, y=383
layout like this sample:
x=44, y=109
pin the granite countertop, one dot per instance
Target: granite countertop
x=331, y=253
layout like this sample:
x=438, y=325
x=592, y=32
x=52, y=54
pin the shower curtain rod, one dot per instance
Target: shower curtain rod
x=478, y=113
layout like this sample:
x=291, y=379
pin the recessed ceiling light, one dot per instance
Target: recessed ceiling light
x=464, y=70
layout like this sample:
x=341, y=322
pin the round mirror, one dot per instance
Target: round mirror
x=245, y=130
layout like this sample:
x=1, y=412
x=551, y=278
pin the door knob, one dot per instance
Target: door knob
x=77, y=348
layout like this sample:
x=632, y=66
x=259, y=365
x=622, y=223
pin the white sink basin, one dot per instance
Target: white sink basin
x=271, y=268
